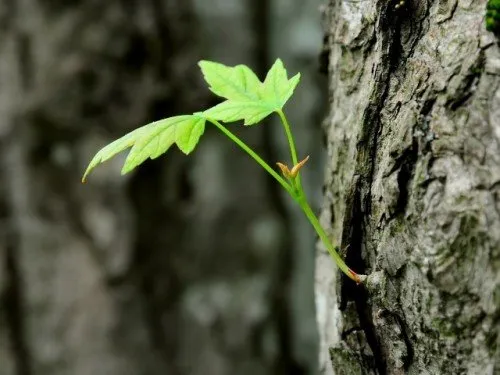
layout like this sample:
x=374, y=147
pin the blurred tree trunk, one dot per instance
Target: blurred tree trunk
x=180, y=268
x=412, y=190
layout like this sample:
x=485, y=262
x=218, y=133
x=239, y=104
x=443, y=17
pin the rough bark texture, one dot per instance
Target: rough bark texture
x=412, y=189
x=181, y=268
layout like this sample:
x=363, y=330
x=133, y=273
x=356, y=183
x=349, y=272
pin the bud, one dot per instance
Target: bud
x=284, y=170
x=295, y=170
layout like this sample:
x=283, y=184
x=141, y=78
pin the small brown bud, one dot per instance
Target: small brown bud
x=295, y=170
x=284, y=170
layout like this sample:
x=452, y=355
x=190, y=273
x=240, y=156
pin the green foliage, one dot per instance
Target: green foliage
x=277, y=88
x=152, y=140
x=493, y=16
x=247, y=99
x=251, y=112
x=237, y=83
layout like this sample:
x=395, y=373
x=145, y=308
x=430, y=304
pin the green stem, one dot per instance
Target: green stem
x=300, y=197
x=289, y=136
x=326, y=241
x=294, y=188
x=254, y=155
x=291, y=143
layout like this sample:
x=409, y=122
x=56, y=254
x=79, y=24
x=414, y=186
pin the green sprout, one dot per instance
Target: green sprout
x=247, y=99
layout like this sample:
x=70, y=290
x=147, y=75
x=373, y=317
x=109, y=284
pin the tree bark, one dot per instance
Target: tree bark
x=412, y=189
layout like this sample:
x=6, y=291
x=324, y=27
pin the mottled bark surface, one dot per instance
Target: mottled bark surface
x=412, y=189
x=184, y=267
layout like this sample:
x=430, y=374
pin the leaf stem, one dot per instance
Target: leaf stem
x=326, y=241
x=254, y=155
x=300, y=197
x=291, y=143
x=289, y=135
x=294, y=188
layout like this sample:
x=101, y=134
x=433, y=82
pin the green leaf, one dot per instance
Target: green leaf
x=153, y=140
x=251, y=112
x=234, y=83
x=248, y=98
x=277, y=88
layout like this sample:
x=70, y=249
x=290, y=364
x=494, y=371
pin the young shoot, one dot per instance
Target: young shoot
x=247, y=99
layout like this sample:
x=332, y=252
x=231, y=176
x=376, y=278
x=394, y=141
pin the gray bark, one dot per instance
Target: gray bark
x=183, y=267
x=412, y=190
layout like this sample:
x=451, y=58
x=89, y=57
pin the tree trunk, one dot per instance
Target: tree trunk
x=412, y=189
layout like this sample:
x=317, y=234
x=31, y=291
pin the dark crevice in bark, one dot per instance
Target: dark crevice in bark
x=356, y=293
x=393, y=334
x=324, y=56
x=358, y=206
x=494, y=186
x=351, y=240
x=414, y=27
x=468, y=84
x=406, y=337
x=405, y=175
x=285, y=362
x=424, y=142
x=14, y=312
x=331, y=210
x=427, y=107
x=345, y=334
x=364, y=311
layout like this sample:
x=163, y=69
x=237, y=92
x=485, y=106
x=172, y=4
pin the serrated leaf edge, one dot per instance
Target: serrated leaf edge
x=132, y=138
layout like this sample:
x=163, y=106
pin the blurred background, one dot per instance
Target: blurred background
x=189, y=266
